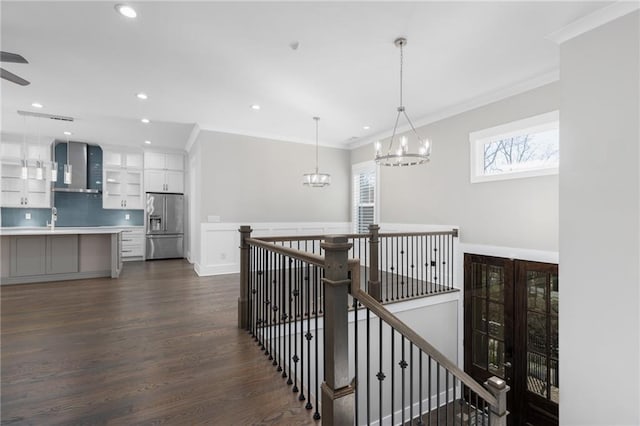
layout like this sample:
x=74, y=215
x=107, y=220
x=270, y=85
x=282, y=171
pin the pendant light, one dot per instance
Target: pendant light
x=316, y=179
x=400, y=155
x=67, y=167
x=39, y=165
x=24, y=169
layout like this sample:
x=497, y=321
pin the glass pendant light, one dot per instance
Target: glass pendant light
x=67, y=167
x=24, y=169
x=401, y=155
x=54, y=171
x=316, y=179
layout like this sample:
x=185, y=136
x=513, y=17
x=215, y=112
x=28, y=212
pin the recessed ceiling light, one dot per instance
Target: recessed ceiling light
x=68, y=133
x=142, y=96
x=126, y=10
x=145, y=120
x=366, y=127
x=37, y=105
x=147, y=142
x=255, y=106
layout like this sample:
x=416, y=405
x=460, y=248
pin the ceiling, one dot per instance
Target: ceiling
x=208, y=62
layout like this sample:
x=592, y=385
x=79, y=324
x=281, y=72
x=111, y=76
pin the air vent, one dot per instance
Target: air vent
x=41, y=115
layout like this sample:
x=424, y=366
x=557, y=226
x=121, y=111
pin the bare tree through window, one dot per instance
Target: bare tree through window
x=528, y=150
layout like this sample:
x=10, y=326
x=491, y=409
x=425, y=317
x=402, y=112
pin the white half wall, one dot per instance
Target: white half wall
x=220, y=242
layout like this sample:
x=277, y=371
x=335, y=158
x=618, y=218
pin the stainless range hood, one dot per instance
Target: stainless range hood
x=78, y=158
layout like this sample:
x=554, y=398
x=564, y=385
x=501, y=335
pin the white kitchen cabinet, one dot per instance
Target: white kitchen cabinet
x=164, y=172
x=163, y=161
x=122, y=180
x=30, y=192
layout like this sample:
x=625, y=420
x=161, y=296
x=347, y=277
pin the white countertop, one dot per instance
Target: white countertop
x=62, y=230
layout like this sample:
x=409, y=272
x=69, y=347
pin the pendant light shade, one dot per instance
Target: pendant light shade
x=67, y=168
x=316, y=179
x=400, y=154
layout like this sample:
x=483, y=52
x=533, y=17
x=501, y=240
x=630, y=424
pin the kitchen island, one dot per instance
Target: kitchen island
x=64, y=253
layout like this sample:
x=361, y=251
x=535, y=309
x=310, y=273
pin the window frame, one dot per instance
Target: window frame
x=357, y=169
x=477, y=140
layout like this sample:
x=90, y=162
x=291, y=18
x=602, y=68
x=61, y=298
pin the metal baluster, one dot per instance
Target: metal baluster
x=289, y=317
x=393, y=373
x=386, y=274
x=410, y=382
x=316, y=415
x=301, y=397
x=281, y=310
x=437, y=393
x=355, y=355
x=429, y=390
x=476, y=409
x=309, y=336
x=380, y=374
x=403, y=366
x=420, y=422
x=269, y=296
x=446, y=397
x=413, y=266
x=368, y=334
x=294, y=318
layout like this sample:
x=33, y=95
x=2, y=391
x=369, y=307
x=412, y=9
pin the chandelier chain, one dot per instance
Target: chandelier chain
x=401, y=66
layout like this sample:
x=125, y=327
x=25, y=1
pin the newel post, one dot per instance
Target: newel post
x=337, y=393
x=374, y=267
x=499, y=389
x=243, y=303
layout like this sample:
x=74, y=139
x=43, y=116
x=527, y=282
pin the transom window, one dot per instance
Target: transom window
x=523, y=148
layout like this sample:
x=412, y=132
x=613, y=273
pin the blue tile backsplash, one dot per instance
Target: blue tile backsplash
x=75, y=209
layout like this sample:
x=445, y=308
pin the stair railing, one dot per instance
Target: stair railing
x=297, y=305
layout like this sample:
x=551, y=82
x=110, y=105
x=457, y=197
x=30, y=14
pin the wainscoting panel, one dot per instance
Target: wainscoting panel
x=220, y=242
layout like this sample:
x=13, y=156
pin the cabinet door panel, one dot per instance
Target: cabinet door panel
x=154, y=180
x=28, y=255
x=113, y=194
x=154, y=160
x=62, y=254
x=175, y=181
x=133, y=160
x=174, y=162
x=111, y=159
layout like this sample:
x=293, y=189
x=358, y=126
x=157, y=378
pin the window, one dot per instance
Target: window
x=364, y=190
x=519, y=149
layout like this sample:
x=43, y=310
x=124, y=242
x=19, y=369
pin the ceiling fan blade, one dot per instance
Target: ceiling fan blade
x=12, y=57
x=13, y=78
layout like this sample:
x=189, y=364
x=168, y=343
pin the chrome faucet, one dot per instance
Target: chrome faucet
x=54, y=218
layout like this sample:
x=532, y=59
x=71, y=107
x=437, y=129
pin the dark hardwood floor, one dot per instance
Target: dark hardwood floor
x=159, y=345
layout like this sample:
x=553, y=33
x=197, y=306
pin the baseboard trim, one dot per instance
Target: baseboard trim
x=55, y=277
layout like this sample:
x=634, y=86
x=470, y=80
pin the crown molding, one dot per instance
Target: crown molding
x=460, y=108
x=594, y=20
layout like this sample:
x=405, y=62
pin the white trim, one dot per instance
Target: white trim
x=469, y=105
x=219, y=242
x=477, y=140
x=195, y=132
x=509, y=253
x=593, y=20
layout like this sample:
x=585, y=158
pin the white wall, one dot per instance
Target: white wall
x=599, y=229
x=519, y=213
x=248, y=179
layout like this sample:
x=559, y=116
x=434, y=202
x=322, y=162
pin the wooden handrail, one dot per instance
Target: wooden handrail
x=374, y=306
x=310, y=258
x=365, y=235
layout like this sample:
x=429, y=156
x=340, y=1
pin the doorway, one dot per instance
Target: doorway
x=511, y=331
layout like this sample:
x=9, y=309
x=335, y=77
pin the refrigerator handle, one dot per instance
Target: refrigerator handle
x=164, y=199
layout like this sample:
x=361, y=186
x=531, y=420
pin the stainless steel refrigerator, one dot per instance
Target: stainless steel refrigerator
x=165, y=226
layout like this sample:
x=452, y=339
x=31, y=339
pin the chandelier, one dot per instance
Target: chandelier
x=400, y=155
x=316, y=179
